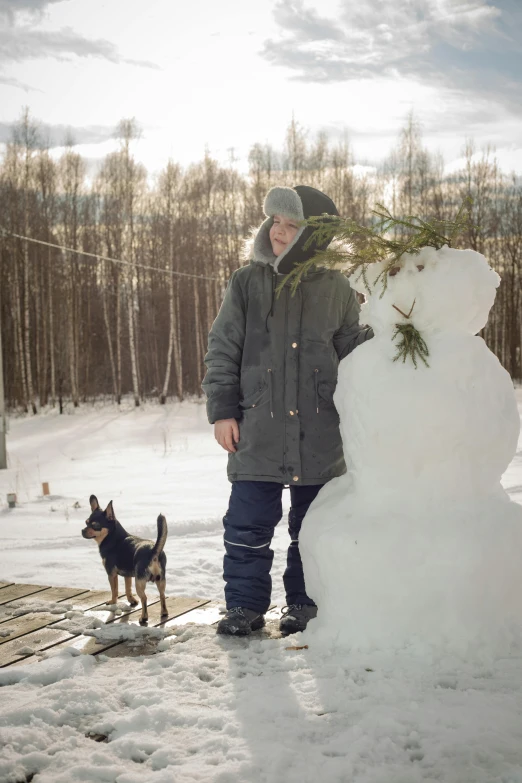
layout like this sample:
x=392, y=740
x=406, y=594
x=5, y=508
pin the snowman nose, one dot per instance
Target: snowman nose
x=404, y=314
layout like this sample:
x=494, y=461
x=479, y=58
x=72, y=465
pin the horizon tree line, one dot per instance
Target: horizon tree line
x=132, y=317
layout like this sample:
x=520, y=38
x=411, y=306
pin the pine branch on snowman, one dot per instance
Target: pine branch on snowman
x=371, y=255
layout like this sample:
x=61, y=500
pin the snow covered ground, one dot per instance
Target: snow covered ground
x=148, y=460
x=208, y=708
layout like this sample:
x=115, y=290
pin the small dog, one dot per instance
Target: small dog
x=128, y=556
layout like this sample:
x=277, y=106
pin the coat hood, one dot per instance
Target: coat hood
x=298, y=203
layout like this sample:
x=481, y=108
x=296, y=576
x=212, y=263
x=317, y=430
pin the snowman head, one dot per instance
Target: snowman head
x=435, y=290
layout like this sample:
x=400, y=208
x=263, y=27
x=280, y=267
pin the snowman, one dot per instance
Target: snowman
x=417, y=546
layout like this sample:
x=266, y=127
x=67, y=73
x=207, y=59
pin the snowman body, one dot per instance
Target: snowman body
x=418, y=544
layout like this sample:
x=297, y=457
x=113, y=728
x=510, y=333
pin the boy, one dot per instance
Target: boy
x=271, y=374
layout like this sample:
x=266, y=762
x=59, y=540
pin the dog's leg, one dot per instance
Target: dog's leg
x=113, y=581
x=140, y=589
x=128, y=591
x=161, y=588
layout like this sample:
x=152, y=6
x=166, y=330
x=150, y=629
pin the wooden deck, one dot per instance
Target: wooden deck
x=23, y=637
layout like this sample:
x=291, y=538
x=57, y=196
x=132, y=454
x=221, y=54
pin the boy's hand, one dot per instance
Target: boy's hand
x=226, y=432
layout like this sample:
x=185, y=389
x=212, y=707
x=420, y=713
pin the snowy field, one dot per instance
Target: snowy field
x=209, y=708
x=150, y=460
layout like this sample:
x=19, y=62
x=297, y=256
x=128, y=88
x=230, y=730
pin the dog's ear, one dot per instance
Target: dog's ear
x=109, y=512
x=93, y=500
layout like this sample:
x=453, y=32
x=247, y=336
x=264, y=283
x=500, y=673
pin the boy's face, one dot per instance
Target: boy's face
x=282, y=233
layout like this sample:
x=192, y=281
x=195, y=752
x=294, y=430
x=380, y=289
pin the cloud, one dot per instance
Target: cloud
x=11, y=82
x=461, y=44
x=10, y=8
x=20, y=39
x=304, y=23
x=7, y=6
x=23, y=42
x=56, y=135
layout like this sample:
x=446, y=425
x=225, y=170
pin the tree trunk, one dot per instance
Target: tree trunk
x=17, y=318
x=109, y=344
x=178, y=356
x=172, y=337
x=40, y=336
x=51, y=332
x=118, y=340
x=197, y=325
x=132, y=338
x=44, y=386
x=71, y=331
x=27, y=329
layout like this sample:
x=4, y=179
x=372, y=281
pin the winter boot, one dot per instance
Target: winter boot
x=295, y=617
x=240, y=622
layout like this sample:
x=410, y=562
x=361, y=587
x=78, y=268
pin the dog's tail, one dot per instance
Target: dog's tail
x=162, y=535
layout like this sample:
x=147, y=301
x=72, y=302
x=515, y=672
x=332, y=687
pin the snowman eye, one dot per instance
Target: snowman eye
x=394, y=270
x=420, y=267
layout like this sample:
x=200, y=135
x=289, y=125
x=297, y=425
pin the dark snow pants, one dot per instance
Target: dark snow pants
x=254, y=510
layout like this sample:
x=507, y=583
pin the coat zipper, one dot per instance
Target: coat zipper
x=316, y=378
x=297, y=358
x=284, y=378
x=270, y=387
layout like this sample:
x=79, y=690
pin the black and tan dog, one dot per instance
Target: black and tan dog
x=128, y=556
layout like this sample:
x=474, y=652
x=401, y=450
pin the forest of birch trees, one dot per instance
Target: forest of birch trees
x=131, y=315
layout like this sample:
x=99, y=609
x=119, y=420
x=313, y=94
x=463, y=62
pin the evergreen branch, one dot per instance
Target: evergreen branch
x=411, y=344
x=359, y=246
x=295, y=276
x=375, y=243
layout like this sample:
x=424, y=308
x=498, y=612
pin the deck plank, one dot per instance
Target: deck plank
x=132, y=649
x=91, y=598
x=25, y=661
x=89, y=645
x=25, y=605
x=26, y=623
x=175, y=606
x=107, y=616
x=34, y=631
x=35, y=642
x=178, y=607
x=87, y=599
x=202, y=615
x=14, y=592
x=61, y=594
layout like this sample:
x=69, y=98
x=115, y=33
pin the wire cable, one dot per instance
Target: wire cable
x=100, y=257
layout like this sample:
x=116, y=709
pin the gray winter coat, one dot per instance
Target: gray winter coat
x=272, y=365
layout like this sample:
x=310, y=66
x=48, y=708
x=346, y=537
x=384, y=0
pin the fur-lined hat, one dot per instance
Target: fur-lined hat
x=298, y=203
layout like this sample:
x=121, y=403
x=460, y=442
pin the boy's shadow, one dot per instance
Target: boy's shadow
x=280, y=731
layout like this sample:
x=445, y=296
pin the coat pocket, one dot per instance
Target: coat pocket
x=261, y=395
x=324, y=391
x=255, y=398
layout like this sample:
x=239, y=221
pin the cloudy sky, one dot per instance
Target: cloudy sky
x=224, y=74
